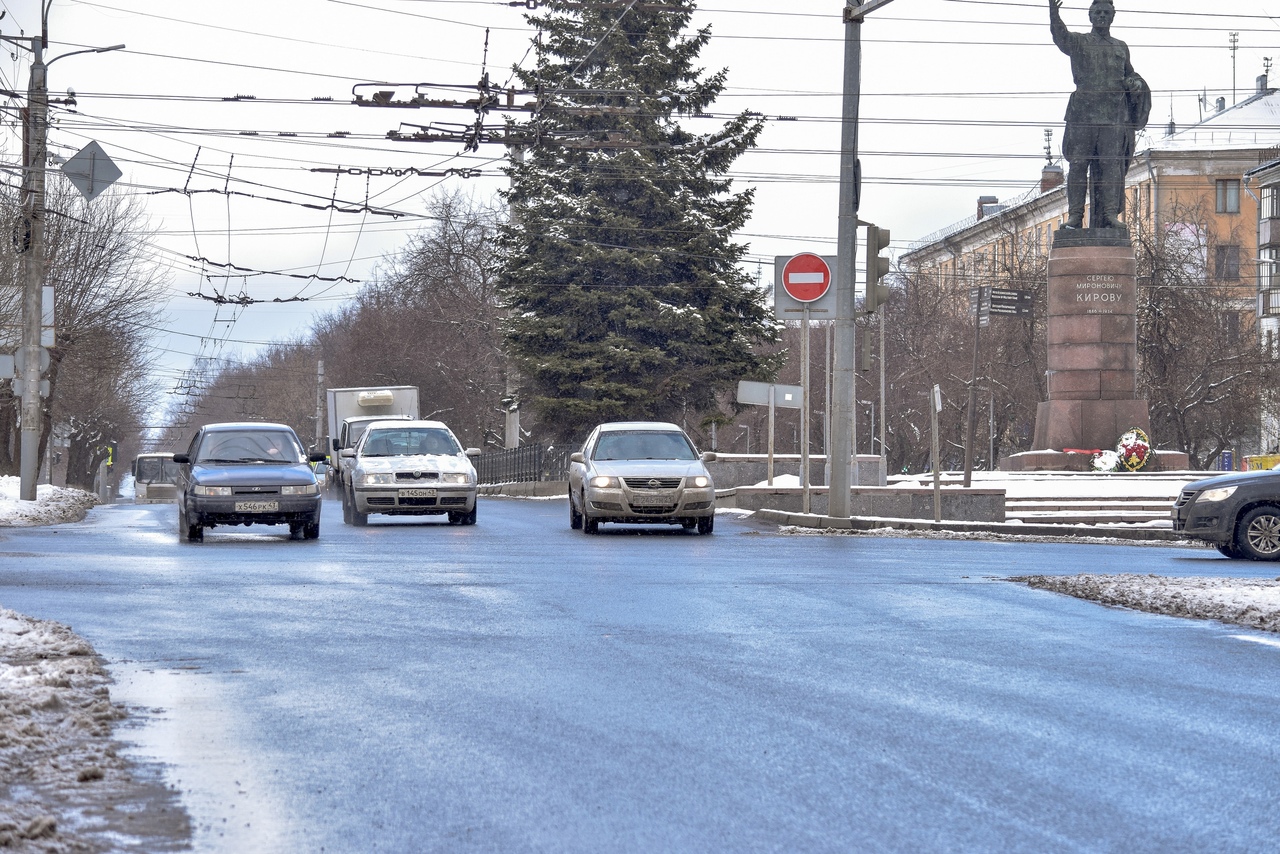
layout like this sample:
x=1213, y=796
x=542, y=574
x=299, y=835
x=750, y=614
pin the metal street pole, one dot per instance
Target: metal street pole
x=844, y=463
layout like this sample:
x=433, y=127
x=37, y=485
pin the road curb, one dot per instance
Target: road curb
x=867, y=523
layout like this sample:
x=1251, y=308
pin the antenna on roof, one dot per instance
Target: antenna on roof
x=1048, y=145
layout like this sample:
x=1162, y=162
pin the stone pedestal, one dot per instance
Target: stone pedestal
x=1092, y=343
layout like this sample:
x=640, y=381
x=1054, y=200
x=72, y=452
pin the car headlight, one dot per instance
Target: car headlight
x=1222, y=493
x=601, y=481
x=455, y=477
x=306, y=489
x=701, y=481
x=212, y=490
x=377, y=478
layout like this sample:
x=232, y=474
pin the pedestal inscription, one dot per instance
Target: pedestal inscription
x=1092, y=348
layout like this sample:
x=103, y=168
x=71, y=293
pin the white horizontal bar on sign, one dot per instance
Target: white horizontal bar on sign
x=806, y=278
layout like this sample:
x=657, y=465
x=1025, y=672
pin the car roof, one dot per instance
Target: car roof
x=614, y=426
x=245, y=425
x=400, y=425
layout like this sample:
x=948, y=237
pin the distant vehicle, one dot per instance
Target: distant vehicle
x=1237, y=513
x=409, y=468
x=352, y=410
x=247, y=474
x=155, y=478
x=640, y=472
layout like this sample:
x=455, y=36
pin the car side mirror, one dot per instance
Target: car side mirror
x=334, y=442
x=316, y=457
x=472, y=452
x=708, y=456
x=347, y=453
x=576, y=457
x=181, y=458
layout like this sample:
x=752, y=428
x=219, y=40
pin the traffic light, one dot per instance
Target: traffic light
x=877, y=268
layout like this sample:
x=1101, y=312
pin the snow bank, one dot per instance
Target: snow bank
x=54, y=505
x=1250, y=602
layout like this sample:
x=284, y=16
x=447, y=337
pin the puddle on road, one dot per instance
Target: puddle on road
x=178, y=720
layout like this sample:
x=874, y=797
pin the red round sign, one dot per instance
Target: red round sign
x=806, y=277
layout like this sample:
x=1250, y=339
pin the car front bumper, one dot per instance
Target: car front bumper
x=622, y=504
x=210, y=511
x=1213, y=522
x=415, y=501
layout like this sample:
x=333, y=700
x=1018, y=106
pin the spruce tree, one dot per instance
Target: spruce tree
x=620, y=273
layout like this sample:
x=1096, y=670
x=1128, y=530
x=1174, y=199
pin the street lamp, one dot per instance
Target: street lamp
x=35, y=130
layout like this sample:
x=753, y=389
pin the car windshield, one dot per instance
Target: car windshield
x=644, y=445
x=250, y=446
x=408, y=441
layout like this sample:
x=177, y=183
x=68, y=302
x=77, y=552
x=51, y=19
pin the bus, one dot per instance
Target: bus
x=155, y=478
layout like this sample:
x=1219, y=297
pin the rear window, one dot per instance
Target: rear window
x=156, y=470
x=249, y=446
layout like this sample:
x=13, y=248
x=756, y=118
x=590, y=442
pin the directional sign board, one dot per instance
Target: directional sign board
x=980, y=304
x=757, y=394
x=804, y=281
x=1010, y=302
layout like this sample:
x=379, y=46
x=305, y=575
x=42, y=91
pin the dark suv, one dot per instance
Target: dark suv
x=1238, y=513
x=247, y=474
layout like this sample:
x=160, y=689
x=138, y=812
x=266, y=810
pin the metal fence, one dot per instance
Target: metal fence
x=524, y=465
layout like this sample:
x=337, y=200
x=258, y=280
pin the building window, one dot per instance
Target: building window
x=1226, y=263
x=1268, y=275
x=1228, y=196
x=1270, y=203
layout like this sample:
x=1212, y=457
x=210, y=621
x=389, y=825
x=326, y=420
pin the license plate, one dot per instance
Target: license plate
x=417, y=493
x=257, y=506
x=640, y=499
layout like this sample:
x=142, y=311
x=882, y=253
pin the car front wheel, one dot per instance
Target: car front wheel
x=575, y=518
x=706, y=524
x=1258, y=536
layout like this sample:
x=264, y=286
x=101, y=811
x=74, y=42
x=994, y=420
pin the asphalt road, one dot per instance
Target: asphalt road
x=517, y=686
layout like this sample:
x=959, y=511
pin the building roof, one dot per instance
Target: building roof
x=1252, y=123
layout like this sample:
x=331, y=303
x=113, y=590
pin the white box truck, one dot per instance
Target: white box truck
x=351, y=410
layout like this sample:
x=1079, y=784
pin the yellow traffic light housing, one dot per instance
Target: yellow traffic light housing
x=877, y=294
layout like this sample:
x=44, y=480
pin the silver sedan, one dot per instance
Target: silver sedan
x=644, y=472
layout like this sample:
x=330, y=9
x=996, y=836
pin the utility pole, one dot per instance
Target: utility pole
x=29, y=241
x=31, y=247
x=843, y=462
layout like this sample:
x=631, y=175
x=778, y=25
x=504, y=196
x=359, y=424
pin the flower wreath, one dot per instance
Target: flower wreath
x=1131, y=453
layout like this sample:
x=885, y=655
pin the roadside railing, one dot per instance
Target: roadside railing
x=523, y=465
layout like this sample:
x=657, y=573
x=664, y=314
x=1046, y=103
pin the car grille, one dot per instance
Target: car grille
x=255, y=491
x=411, y=476
x=418, y=502
x=454, y=501
x=652, y=482
x=1185, y=498
x=659, y=510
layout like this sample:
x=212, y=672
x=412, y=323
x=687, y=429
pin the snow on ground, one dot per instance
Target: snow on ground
x=1250, y=602
x=63, y=785
x=53, y=505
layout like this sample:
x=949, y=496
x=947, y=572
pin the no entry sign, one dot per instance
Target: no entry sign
x=806, y=277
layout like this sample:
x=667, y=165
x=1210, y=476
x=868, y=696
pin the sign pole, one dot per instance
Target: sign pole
x=937, y=482
x=772, y=400
x=804, y=413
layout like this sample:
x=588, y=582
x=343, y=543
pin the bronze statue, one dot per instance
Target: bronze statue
x=1109, y=106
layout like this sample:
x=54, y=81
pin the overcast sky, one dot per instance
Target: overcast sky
x=957, y=95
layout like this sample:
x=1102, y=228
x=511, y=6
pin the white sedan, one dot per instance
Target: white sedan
x=640, y=472
x=410, y=468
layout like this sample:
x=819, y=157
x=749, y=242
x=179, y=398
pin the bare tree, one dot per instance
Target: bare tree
x=108, y=295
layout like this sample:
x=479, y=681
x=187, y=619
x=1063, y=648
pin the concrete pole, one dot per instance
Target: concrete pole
x=844, y=370
x=33, y=201
x=322, y=424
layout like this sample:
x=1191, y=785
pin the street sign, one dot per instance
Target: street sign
x=980, y=304
x=757, y=394
x=806, y=277
x=787, y=307
x=91, y=171
x=1010, y=302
